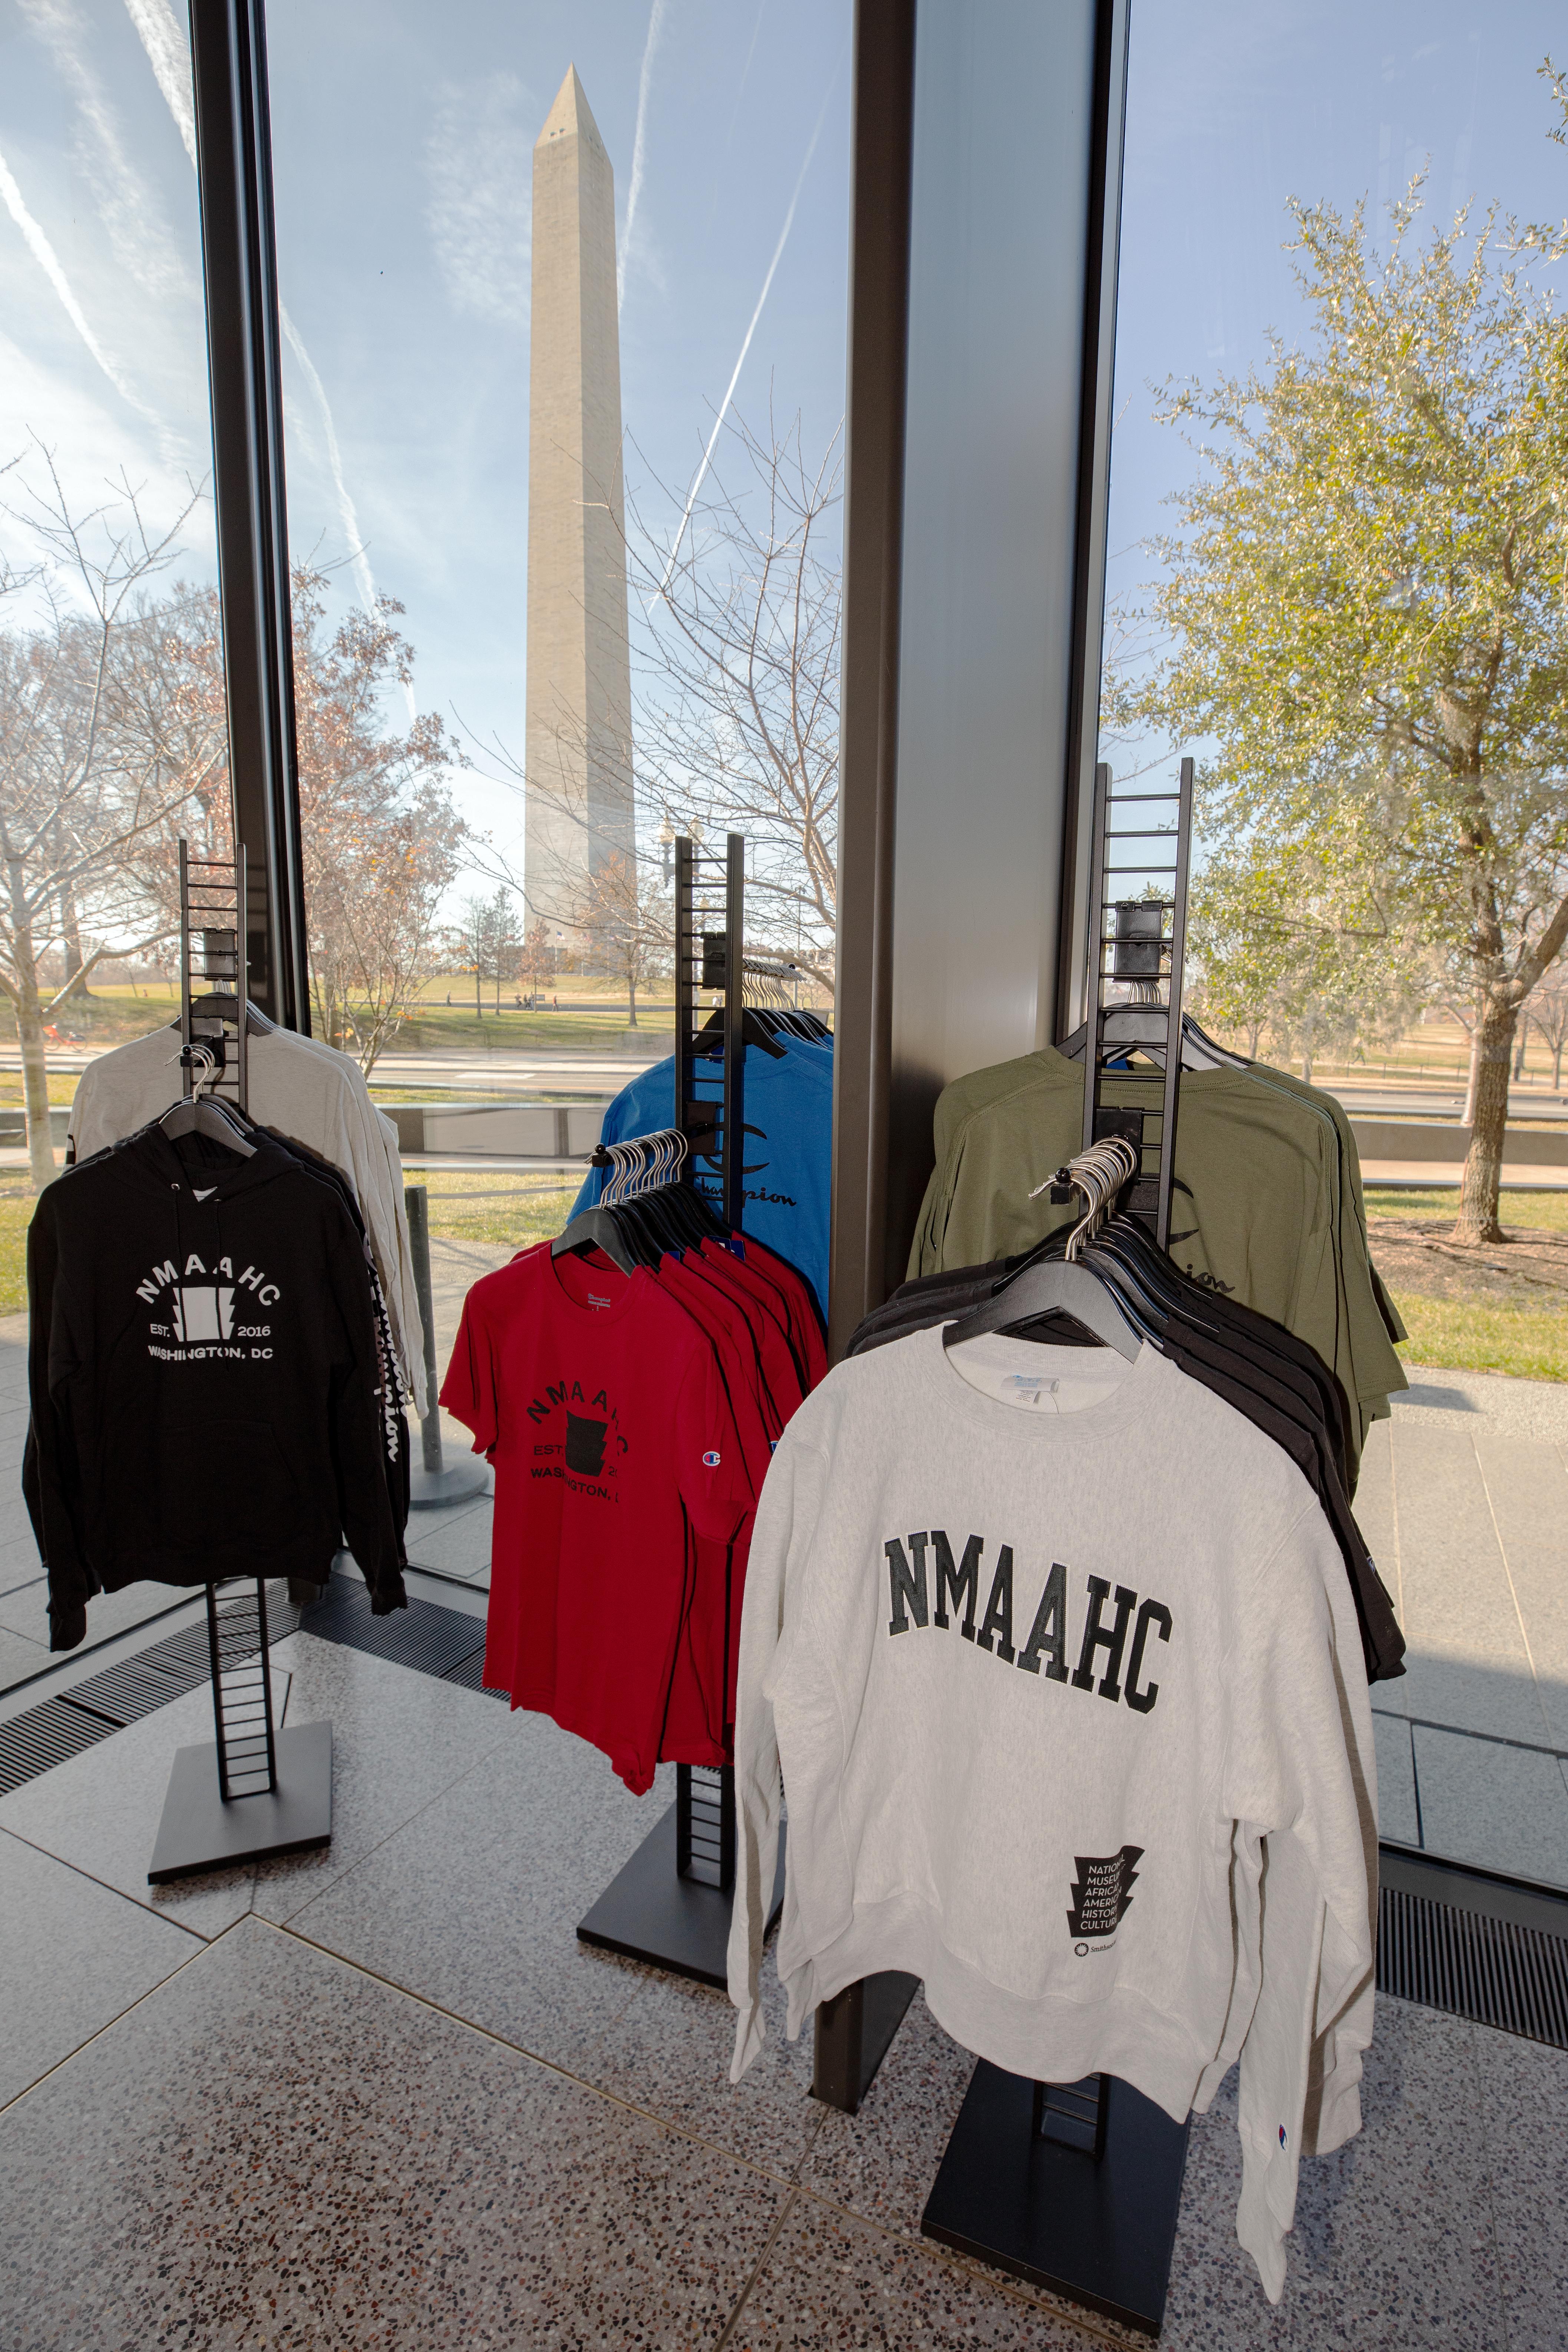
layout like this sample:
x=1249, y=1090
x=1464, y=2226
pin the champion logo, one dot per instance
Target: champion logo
x=710, y=1461
x=1281, y=2134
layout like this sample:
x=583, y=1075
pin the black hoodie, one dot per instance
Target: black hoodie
x=203, y=1377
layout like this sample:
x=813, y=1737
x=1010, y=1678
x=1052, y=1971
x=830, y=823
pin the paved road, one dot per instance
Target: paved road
x=578, y=1073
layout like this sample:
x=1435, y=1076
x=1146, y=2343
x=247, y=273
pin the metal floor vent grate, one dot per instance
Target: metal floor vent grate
x=1496, y=1971
x=447, y=1642
x=61, y=1727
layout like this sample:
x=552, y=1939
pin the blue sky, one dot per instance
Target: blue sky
x=402, y=138
x=1234, y=108
x=403, y=135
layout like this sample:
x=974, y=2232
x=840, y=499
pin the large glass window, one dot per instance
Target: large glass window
x=563, y=347
x=1337, y=577
x=113, y=728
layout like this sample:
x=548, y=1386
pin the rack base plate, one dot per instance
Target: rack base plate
x=679, y=1924
x=200, y=1830
x=1100, y=2233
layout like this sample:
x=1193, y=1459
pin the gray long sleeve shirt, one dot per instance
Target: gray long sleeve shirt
x=1060, y=1661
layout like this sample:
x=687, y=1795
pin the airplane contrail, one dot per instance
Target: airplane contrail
x=48, y=261
x=751, y=331
x=168, y=54
x=633, y=187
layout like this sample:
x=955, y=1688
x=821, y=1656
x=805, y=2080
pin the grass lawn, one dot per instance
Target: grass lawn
x=1503, y=1309
x=1498, y=1309
x=493, y=1207
x=16, y=1216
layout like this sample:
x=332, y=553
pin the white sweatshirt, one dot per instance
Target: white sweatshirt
x=1060, y=1662
x=306, y=1090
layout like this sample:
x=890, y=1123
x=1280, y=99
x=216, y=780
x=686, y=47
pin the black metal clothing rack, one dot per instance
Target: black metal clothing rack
x=255, y=1792
x=1141, y=952
x=1075, y=2187
x=670, y=1906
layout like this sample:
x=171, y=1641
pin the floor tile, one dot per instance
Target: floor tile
x=1467, y=1663
x=1397, y=1817
x=1500, y=1808
x=398, y=1738
x=1527, y=1485
x=26, y=1610
x=360, y=2172
x=1391, y=2245
x=460, y=1548
x=882, y=2161
x=669, y=2051
x=72, y=1957
x=21, y=1659
x=832, y=2280
x=19, y=1562
x=516, y=1853
x=101, y=1812
x=1523, y=2102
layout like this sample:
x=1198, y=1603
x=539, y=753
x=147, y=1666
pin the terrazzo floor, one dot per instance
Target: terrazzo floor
x=380, y=2096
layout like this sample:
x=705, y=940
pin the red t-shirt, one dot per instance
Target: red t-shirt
x=794, y=1302
x=600, y=1403
x=702, y=1687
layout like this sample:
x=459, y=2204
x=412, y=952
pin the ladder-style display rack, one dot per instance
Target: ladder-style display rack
x=255, y=1791
x=670, y=1906
x=1074, y=2186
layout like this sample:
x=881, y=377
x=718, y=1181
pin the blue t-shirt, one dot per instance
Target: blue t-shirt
x=787, y=1183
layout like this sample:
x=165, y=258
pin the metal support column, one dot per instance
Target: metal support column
x=234, y=172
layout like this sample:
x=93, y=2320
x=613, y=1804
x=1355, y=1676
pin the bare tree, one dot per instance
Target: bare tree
x=379, y=832
x=83, y=791
x=737, y=688
x=629, y=918
x=490, y=940
x=735, y=715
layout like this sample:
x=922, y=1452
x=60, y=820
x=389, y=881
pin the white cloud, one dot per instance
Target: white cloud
x=639, y=144
x=129, y=208
x=479, y=161
x=48, y=261
x=169, y=55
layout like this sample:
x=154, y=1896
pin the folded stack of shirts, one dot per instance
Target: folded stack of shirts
x=1267, y=1209
x=631, y=1419
x=1269, y=1375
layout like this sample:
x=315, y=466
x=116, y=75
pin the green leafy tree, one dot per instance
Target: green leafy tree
x=1365, y=611
x=1276, y=954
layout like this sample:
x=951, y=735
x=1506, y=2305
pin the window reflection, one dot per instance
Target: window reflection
x=563, y=349
x=112, y=727
x=1333, y=578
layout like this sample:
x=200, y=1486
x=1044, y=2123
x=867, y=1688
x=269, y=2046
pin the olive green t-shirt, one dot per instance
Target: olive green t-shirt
x=1267, y=1206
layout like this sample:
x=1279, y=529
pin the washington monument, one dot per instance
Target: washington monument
x=579, y=729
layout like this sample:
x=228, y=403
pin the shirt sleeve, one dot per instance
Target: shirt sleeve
x=1299, y=1775
x=398, y=1274
x=50, y=1472
x=469, y=1391
x=780, y=1539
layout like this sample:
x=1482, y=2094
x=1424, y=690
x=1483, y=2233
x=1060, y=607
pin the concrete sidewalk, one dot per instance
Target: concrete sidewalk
x=1464, y=1502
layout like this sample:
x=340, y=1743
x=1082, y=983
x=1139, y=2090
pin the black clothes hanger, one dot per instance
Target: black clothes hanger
x=1068, y=1285
x=1053, y=1286
x=203, y=1114
x=598, y=1228
x=752, y=1032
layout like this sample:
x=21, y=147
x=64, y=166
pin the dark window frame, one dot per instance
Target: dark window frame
x=239, y=262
